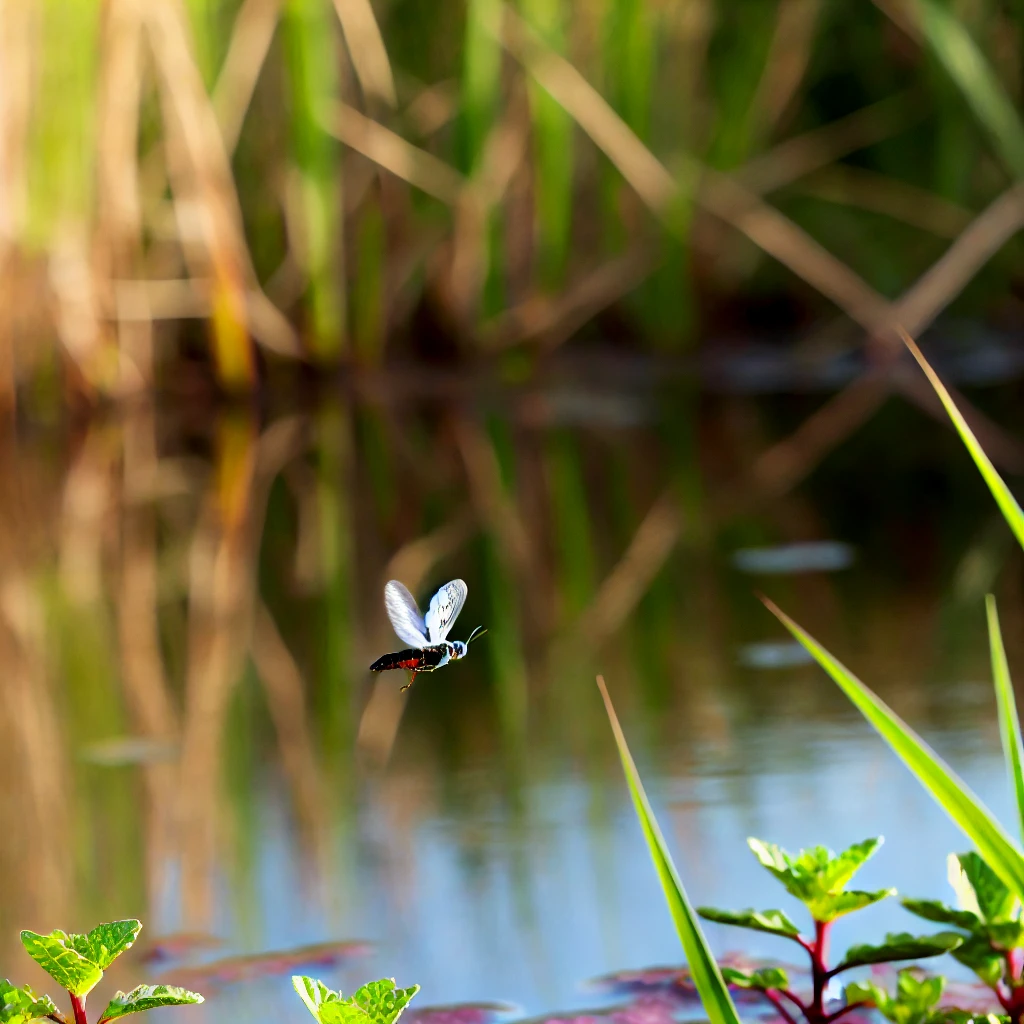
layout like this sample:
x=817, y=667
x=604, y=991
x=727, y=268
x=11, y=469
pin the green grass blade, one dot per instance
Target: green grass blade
x=949, y=791
x=1004, y=499
x=966, y=65
x=707, y=977
x=1009, y=724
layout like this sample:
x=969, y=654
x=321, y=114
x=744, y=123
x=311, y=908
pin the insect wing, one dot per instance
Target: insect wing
x=404, y=614
x=444, y=609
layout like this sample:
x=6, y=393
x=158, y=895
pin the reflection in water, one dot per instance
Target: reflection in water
x=187, y=611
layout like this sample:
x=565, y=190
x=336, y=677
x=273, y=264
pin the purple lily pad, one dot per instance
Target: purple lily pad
x=460, y=1013
x=259, y=965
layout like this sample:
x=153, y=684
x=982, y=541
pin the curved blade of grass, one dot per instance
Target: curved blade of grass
x=949, y=791
x=966, y=65
x=1004, y=499
x=707, y=977
x=1009, y=724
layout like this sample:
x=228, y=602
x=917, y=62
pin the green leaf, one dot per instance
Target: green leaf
x=774, y=922
x=933, y=910
x=763, y=980
x=1004, y=499
x=381, y=1001
x=994, y=900
x=843, y=867
x=977, y=954
x=106, y=942
x=912, y=1003
x=377, y=1002
x=919, y=993
x=951, y=1015
x=938, y=778
x=58, y=955
x=866, y=992
x=966, y=65
x=902, y=946
x=22, y=1005
x=833, y=905
x=147, y=997
x=706, y=975
x=816, y=876
x=1006, y=702
x=326, y=1005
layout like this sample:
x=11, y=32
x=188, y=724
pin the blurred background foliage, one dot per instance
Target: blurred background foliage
x=228, y=189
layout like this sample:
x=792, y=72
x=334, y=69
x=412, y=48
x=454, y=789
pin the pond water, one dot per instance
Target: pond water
x=189, y=601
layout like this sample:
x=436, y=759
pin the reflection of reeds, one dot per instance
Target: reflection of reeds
x=577, y=542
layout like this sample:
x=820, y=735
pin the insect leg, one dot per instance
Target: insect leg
x=412, y=679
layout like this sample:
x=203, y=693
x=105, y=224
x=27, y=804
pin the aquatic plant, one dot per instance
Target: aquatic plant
x=817, y=877
x=77, y=963
x=377, y=1002
x=990, y=883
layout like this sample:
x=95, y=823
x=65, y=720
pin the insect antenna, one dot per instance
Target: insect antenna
x=478, y=632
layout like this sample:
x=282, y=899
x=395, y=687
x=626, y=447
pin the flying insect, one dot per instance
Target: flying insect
x=427, y=635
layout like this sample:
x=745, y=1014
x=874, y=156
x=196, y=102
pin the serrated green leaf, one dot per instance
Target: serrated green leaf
x=977, y=954
x=1005, y=934
x=381, y=1001
x=106, y=942
x=841, y=868
x=865, y=992
x=951, y=1015
x=995, y=901
x=938, y=778
x=833, y=905
x=775, y=922
x=816, y=876
x=377, y=1002
x=912, y=1004
x=147, y=997
x=919, y=994
x=326, y=1005
x=902, y=946
x=57, y=954
x=22, y=1005
x=764, y=979
x=707, y=977
x=933, y=910
x=1006, y=704
x=779, y=863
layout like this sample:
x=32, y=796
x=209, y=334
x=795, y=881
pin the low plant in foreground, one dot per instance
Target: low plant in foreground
x=377, y=1002
x=76, y=963
x=818, y=878
x=989, y=918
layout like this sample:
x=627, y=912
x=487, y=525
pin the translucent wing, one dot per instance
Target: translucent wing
x=404, y=614
x=444, y=609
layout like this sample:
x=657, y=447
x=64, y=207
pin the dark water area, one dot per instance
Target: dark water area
x=189, y=600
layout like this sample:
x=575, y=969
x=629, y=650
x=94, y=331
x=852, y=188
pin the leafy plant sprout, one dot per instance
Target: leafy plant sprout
x=989, y=915
x=76, y=963
x=818, y=878
x=377, y=1002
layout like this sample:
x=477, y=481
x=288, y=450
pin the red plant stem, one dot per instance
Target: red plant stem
x=78, y=1005
x=819, y=971
x=836, y=1014
x=1013, y=966
x=773, y=998
x=794, y=999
